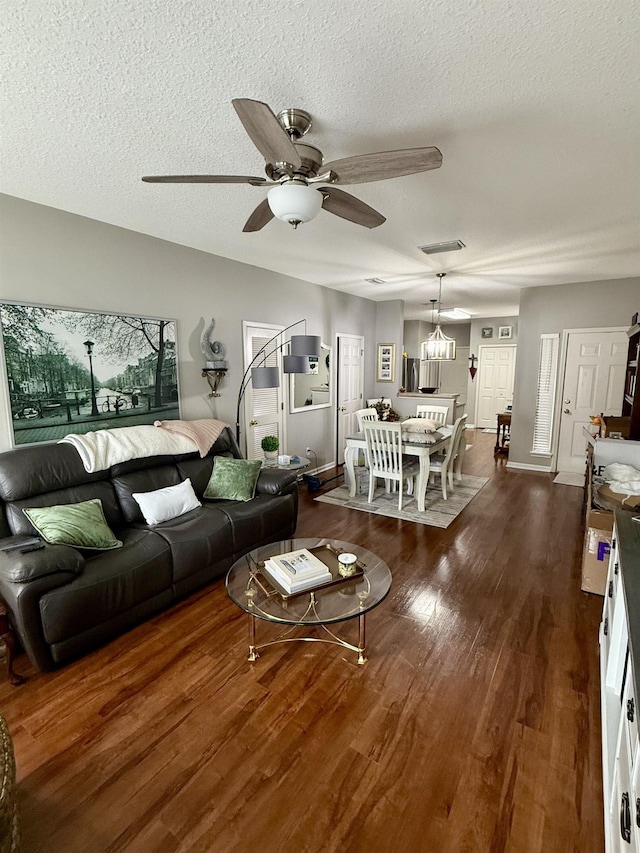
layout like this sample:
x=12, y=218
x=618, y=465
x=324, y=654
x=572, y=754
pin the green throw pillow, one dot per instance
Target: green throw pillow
x=82, y=525
x=233, y=479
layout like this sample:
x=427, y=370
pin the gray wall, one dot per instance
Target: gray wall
x=583, y=305
x=55, y=258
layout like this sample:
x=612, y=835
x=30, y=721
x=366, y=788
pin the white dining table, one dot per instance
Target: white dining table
x=357, y=442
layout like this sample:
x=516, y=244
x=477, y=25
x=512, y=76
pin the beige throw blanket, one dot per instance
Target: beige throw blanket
x=106, y=447
x=204, y=433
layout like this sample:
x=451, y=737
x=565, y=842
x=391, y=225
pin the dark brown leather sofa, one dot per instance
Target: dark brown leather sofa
x=65, y=601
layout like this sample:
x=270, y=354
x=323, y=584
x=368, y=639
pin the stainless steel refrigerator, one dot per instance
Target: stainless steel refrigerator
x=410, y=374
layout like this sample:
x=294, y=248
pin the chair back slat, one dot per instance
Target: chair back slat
x=439, y=414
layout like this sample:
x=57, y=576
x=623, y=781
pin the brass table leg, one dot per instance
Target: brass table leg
x=361, y=639
x=253, y=654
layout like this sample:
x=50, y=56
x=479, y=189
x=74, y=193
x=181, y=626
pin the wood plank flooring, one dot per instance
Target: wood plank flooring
x=473, y=728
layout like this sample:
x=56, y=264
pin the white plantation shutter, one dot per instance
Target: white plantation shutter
x=263, y=406
x=546, y=392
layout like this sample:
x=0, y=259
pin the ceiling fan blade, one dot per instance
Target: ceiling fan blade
x=203, y=179
x=384, y=164
x=259, y=218
x=266, y=132
x=351, y=208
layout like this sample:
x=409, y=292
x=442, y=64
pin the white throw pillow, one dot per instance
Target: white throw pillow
x=419, y=425
x=167, y=503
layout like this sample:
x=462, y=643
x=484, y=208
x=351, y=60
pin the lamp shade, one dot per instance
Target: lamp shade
x=305, y=345
x=265, y=377
x=294, y=202
x=438, y=347
x=296, y=364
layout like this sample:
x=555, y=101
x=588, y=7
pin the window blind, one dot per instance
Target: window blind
x=546, y=392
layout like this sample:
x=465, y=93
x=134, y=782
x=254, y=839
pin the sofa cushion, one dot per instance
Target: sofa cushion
x=146, y=480
x=112, y=583
x=165, y=504
x=233, y=479
x=28, y=471
x=263, y=519
x=197, y=539
x=103, y=490
x=81, y=525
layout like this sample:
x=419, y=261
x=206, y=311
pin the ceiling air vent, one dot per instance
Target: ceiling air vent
x=450, y=246
x=375, y=280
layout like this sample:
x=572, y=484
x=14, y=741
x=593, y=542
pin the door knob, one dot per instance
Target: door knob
x=342, y=409
x=253, y=422
x=567, y=411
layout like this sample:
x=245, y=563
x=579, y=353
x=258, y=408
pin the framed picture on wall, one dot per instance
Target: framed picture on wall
x=487, y=331
x=505, y=332
x=75, y=371
x=386, y=363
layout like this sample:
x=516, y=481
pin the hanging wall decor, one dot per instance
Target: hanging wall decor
x=472, y=368
x=74, y=371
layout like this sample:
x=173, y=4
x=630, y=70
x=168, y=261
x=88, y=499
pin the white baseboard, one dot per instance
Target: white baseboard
x=522, y=466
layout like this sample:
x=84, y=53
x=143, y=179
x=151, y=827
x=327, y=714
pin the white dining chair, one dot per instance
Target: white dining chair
x=364, y=415
x=443, y=464
x=384, y=450
x=438, y=414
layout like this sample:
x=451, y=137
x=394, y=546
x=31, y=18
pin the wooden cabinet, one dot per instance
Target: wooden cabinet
x=619, y=628
x=631, y=401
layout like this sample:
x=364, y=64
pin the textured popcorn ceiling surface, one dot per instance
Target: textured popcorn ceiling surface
x=533, y=105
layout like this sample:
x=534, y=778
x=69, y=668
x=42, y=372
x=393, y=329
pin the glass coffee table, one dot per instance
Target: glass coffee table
x=345, y=599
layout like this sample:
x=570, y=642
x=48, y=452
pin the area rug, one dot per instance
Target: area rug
x=565, y=478
x=438, y=512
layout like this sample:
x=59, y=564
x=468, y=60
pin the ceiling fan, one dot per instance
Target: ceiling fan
x=296, y=170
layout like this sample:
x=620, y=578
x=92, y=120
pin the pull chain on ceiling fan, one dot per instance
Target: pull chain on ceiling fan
x=295, y=170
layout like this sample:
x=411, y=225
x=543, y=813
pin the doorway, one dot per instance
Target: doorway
x=350, y=379
x=496, y=372
x=593, y=382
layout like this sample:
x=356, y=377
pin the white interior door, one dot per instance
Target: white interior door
x=263, y=407
x=593, y=383
x=496, y=371
x=350, y=388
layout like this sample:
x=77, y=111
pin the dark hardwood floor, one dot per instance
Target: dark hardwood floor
x=475, y=725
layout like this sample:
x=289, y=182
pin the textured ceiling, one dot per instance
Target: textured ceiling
x=534, y=106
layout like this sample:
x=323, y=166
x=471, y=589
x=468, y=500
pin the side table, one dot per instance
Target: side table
x=504, y=427
x=8, y=637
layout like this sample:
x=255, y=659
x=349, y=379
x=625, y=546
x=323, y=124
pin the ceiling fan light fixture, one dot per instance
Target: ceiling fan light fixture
x=294, y=202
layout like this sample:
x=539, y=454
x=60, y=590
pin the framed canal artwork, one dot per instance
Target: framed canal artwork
x=75, y=371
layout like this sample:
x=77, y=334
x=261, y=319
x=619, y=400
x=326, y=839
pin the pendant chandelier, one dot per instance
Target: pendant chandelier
x=438, y=346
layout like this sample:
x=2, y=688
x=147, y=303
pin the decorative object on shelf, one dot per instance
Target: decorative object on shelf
x=82, y=369
x=215, y=366
x=386, y=371
x=505, y=332
x=487, y=331
x=472, y=368
x=267, y=376
x=439, y=347
x=270, y=444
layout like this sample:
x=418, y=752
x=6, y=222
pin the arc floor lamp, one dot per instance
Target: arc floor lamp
x=268, y=376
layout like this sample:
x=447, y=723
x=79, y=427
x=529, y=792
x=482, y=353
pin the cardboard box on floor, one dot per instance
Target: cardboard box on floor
x=595, y=554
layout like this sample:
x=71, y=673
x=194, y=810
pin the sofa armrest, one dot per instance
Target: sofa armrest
x=275, y=481
x=52, y=559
